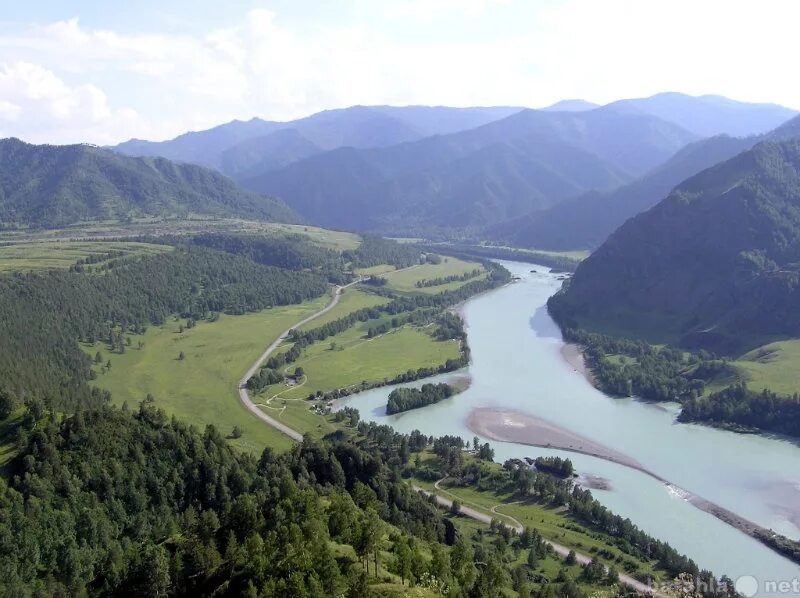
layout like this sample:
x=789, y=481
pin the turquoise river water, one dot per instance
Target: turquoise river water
x=517, y=364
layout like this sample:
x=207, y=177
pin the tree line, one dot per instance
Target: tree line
x=442, y=280
x=403, y=399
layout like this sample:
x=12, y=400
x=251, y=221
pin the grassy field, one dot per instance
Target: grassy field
x=49, y=255
x=375, y=270
x=184, y=226
x=352, y=299
x=348, y=359
x=775, y=366
x=201, y=389
x=405, y=280
x=333, y=239
x=355, y=359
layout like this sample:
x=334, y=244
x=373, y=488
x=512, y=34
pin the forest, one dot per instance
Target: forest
x=114, y=501
x=403, y=399
x=738, y=406
x=625, y=367
x=44, y=316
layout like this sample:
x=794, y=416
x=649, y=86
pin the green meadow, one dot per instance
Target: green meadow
x=101, y=230
x=202, y=388
x=775, y=366
x=405, y=280
x=50, y=255
x=347, y=359
x=352, y=299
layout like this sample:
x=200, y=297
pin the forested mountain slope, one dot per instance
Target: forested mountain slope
x=45, y=185
x=588, y=220
x=713, y=265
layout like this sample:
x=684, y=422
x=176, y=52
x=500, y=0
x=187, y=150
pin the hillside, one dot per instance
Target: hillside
x=44, y=185
x=711, y=115
x=715, y=265
x=234, y=147
x=529, y=160
x=588, y=220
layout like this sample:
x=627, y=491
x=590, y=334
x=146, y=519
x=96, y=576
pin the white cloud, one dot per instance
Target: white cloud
x=67, y=82
x=38, y=105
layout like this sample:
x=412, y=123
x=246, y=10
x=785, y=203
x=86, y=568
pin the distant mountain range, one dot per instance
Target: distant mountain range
x=50, y=186
x=422, y=169
x=529, y=160
x=245, y=148
x=716, y=264
x=586, y=221
x=710, y=115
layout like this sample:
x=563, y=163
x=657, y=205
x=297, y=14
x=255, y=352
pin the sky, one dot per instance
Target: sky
x=103, y=72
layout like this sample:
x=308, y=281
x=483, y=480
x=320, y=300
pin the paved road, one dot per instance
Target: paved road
x=244, y=397
x=558, y=548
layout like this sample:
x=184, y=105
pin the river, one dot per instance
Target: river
x=517, y=364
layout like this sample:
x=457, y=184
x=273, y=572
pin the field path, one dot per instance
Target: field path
x=558, y=548
x=244, y=397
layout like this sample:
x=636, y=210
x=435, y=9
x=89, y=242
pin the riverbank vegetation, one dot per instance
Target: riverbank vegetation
x=557, y=466
x=711, y=389
x=403, y=399
x=515, y=494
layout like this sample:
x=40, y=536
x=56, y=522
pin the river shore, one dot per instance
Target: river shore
x=573, y=355
x=513, y=426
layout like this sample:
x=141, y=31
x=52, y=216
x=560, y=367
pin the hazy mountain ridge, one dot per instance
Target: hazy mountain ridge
x=588, y=220
x=710, y=115
x=45, y=185
x=356, y=126
x=529, y=160
x=716, y=264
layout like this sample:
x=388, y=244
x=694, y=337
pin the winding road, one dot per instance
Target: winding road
x=244, y=397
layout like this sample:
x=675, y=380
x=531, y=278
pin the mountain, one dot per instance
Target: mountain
x=45, y=185
x=530, y=160
x=710, y=115
x=357, y=126
x=716, y=264
x=571, y=106
x=199, y=147
x=586, y=221
x=268, y=152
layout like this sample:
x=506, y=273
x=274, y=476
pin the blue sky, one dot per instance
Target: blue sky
x=103, y=72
